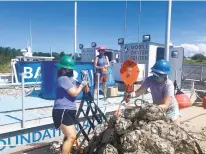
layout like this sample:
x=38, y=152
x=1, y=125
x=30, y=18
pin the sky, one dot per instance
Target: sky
x=52, y=24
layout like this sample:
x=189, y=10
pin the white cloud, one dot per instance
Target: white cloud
x=191, y=49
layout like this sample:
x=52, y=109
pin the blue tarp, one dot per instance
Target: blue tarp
x=110, y=81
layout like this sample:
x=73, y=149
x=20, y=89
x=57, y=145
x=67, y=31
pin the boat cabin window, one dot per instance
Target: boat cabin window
x=117, y=57
x=174, y=54
x=160, y=53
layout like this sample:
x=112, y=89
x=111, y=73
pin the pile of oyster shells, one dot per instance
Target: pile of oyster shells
x=141, y=130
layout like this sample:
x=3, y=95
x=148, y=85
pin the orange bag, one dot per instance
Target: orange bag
x=204, y=102
x=182, y=99
x=103, y=70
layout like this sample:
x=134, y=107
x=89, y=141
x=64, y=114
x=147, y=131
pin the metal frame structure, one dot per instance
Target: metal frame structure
x=194, y=72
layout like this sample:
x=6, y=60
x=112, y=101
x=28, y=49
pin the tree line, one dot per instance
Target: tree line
x=56, y=55
x=198, y=57
x=195, y=59
x=7, y=53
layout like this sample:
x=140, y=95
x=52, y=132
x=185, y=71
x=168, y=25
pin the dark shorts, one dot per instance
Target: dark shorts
x=63, y=116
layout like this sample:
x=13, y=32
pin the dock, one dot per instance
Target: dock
x=39, y=128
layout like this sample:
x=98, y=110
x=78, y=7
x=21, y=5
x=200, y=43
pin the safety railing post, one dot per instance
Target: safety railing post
x=98, y=75
x=23, y=95
x=201, y=74
x=143, y=79
x=12, y=72
x=193, y=84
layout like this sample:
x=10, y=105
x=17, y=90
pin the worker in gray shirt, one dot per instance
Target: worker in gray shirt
x=162, y=90
x=101, y=64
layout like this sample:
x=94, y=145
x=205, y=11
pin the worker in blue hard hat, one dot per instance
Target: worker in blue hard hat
x=162, y=89
x=64, y=110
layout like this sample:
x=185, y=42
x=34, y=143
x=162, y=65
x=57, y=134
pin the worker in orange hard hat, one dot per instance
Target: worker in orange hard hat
x=101, y=63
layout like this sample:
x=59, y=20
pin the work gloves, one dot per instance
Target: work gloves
x=84, y=83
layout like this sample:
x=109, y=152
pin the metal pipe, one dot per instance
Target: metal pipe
x=125, y=21
x=75, y=27
x=98, y=75
x=4, y=85
x=175, y=74
x=167, y=32
x=175, y=82
x=51, y=51
x=12, y=73
x=30, y=37
x=201, y=74
x=23, y=109
x=14, y=69
x=200, y=90
x=138, y=30
x=125, y=29
x=143, y=79
x=12, y=76
x=193, y=85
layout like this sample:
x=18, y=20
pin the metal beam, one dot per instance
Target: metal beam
x=167, y=32
x=75, y=28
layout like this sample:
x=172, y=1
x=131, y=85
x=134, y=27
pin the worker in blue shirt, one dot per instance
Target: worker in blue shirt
x=64, y=110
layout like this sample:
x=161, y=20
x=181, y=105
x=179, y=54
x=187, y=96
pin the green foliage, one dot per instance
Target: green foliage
x=7, y=53
x=194, y=62
x=5, y=68
x=196, y=59
x=62, y=54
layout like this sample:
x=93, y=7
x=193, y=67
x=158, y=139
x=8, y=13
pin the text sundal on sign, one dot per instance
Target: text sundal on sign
x=34, y=137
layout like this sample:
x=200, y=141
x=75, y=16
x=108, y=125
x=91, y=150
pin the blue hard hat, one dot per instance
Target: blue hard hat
x=162, y=67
